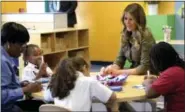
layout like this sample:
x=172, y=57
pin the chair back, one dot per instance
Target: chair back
x=52, y=108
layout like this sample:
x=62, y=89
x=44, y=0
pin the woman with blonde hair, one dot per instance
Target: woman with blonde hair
x=136, y=42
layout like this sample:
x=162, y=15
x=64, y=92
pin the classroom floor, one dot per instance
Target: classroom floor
x=140, y=107
x=95, y=68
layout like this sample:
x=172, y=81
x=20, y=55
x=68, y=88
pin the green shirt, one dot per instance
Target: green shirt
x=135, y=48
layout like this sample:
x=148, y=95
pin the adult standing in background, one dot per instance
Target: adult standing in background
x=53, y=5
x=136, y=42
x=68, y=7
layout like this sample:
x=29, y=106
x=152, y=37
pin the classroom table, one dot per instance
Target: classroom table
x=126, y=95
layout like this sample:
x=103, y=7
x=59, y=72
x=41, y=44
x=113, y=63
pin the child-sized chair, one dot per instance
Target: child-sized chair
x=52, y=108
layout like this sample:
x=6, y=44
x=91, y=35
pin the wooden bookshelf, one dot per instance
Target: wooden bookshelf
x=54, y=58
x=83, y=39
x=83, y=52
x=47, y=42
x=60, y=43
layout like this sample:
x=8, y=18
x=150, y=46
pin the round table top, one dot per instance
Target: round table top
x=127, y=94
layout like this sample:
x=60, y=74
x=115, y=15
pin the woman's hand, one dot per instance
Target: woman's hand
x=115, y=72
x=24, y=83
x=32, y=87
x=109, y=69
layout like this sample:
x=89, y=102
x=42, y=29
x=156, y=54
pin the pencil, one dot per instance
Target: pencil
x=148, y=73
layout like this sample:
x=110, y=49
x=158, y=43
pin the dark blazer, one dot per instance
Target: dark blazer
x=69, y=8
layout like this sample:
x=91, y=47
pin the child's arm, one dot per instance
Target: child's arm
x=112, y=98
x=38, y=75
x=164, y=85
x=49, y=71
x=148, y=81
x=102, y=92
x=111, y=101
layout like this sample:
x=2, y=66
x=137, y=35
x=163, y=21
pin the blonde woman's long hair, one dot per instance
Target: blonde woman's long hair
x=138, y=14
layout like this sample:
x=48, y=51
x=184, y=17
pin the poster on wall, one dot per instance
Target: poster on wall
x=180, y=11
x=52, y=6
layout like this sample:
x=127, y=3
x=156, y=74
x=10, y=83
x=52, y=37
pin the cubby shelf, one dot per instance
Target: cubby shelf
x=60, y=43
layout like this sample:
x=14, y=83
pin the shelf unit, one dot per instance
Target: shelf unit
x=37, y=20
x=60, y=43
x=173, y=42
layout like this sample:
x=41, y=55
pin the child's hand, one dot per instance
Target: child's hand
x=150, y=77
x=43, y=69
x=148, y=80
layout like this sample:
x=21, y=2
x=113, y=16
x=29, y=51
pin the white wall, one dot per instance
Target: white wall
x=33, y=6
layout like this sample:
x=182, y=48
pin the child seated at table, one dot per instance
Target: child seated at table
x=35, y=68
x=166, y=61
x=72, y=89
